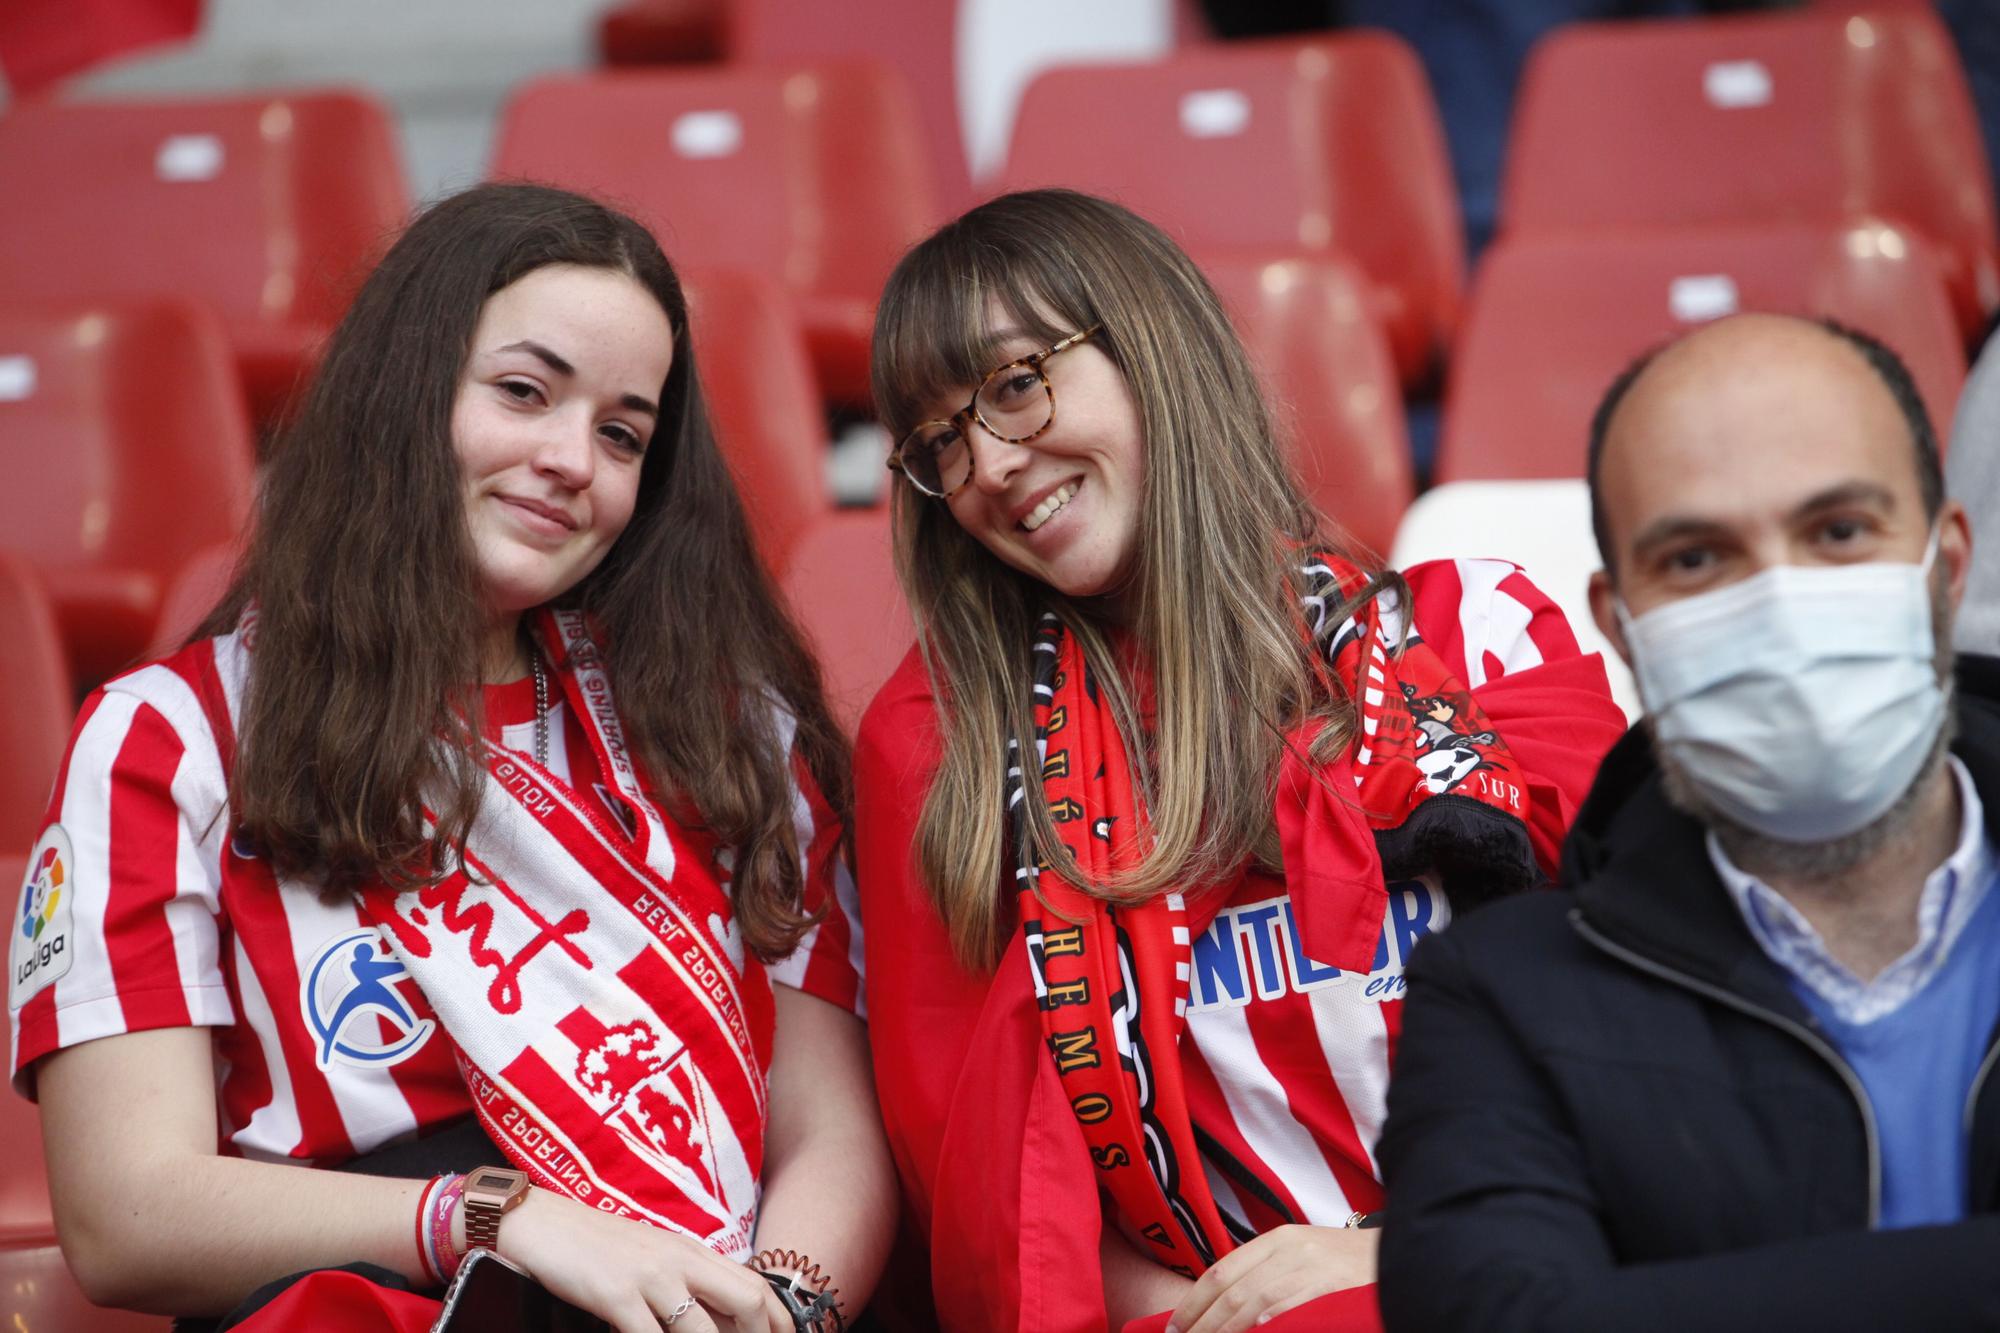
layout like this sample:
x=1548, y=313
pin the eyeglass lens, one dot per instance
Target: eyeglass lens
x=1013, y=403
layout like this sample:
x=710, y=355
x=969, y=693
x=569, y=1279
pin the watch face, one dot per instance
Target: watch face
x=489, y=1178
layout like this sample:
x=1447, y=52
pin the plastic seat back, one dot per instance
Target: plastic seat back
x=35, y=711
x=1331, y=383
x=266, y=208
x=812, y=175
x=1553, y=320
x=1542, y=526
x=841, y=586
x=758, y=382
x=1820, y=116
x=1327, y=145
x=123, y=433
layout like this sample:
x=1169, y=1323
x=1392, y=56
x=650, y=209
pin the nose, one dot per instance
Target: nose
x=994, y=461
x=567, y=450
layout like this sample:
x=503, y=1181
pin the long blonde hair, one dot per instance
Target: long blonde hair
x=1213, y=602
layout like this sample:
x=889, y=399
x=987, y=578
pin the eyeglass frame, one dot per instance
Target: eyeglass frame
x=1035, y=361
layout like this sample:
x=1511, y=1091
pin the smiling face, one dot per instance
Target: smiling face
x=1063, y=507
x=554, y=412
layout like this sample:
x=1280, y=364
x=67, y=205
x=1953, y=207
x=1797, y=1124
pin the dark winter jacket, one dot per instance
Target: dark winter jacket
x=1611, y=1113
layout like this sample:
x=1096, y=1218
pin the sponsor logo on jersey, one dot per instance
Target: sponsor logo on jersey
x=1253, y=952
x=43, y=945
x=356, y=997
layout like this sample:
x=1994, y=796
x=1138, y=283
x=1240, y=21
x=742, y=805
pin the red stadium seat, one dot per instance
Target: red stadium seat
x=841, y=586
x=35, y=714
x=813, y=175
x=266, y=208
x=123, y=433
x=1814, y=116
x=761, y=397
x=1331, y=382
x=197, y=586
x=1553, y=320
x=1277, y=148
x=656, y=32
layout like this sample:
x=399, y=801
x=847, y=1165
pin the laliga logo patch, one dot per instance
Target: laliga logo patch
x=348, y=993
x=43, y=944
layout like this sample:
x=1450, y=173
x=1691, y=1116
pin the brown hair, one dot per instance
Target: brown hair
x=1217, y=581
x=369, y=620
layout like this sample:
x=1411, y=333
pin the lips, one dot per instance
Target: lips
x=1044, y=507
x=546, y=516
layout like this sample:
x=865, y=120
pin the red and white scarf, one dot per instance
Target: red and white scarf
x=613, y=1040
x=1426, y=787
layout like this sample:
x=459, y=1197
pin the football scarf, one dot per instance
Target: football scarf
x=1425, y=780
x=614, y=1042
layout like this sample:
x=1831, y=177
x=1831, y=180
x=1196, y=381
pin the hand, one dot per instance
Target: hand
x=1276, y=1272
x=633, y=1275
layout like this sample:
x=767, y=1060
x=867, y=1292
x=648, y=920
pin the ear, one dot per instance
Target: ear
x=1603, y=610
x=1955, y=548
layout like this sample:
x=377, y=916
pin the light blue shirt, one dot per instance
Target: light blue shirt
x=1917, y=1033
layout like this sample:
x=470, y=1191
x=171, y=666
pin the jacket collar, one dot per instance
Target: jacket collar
x=1642, y=875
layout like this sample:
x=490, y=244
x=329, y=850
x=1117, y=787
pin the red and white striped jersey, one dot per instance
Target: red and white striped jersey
x=141, y=911
x=1286, y=1060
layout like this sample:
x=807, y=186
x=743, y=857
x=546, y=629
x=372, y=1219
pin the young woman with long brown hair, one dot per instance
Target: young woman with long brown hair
x=493, y=820
x=1171, y=783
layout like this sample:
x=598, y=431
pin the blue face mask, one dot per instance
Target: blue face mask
x=1802, y=702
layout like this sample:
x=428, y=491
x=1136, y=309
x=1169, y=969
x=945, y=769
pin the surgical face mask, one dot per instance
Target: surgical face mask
x=1802, y=702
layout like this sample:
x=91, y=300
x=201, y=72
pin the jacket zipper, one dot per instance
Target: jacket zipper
x=1783, y=1024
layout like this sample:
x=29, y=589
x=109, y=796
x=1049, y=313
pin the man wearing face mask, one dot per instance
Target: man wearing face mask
x=1738, y=1074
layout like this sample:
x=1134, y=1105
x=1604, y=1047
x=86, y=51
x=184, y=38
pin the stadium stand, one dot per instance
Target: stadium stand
x=1331, y=380
x=1818, y=116
x=124, y=432
x=1553, y=319
x=1275, y=149
x=758, y=379
x=814, y=175
x=34, y=719
x=1542, y=526
x=266, y=208
x=842, y=590
x=656, y=32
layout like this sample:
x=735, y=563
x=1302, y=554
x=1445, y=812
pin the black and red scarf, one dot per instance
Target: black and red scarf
x=1426, y=786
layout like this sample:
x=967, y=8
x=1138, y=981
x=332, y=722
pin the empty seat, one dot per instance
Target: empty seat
x=842, y=590
x=1552, y=320
x=126, y=448
x=1819, y=116
x=195, y=590
x=1331, y=382
x=1327, y=145
x=35, y=710
x=655, y=32
x=761, y=397
x=1542, y=526
x=268, y=209
x=812, y=175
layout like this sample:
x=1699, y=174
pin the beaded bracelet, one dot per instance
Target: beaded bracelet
x=449, y=1256
x=809, y=1296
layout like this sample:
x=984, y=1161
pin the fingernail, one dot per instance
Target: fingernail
x=1170, y=1329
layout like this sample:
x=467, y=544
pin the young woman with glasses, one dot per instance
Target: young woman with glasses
x=491, y=825
x=1173, y=781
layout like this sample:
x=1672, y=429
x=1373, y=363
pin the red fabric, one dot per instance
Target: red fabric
x=992, y=1161
x=43, y=40
x=343, y=1303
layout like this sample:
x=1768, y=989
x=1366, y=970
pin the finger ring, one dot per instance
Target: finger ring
x=687, y=1303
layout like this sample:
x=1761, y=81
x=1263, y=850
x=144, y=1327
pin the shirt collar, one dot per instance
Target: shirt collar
x=1950, y=894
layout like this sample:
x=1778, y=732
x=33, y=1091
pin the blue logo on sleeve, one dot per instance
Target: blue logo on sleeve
x=349, y=993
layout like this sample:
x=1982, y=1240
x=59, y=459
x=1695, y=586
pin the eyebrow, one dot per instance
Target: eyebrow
x=1673, y=527
x=548, y=357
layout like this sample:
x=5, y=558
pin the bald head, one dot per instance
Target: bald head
x=1741, y=380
